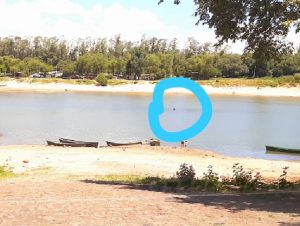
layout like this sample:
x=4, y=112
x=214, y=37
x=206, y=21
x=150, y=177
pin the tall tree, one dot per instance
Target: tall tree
x=262, y=24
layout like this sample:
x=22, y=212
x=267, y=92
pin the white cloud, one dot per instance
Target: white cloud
x=71, y=20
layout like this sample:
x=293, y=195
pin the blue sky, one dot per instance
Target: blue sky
x=72, y=19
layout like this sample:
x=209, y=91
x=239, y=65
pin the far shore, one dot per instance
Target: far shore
x=146, y=87
x=135, y=160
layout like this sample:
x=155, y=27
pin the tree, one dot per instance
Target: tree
x=34, y=65
x=262, y=24
x=204, y=65
x=92, y=64
x=152, y=64
x=231, y=65
x=137, y=62
x=67, y=67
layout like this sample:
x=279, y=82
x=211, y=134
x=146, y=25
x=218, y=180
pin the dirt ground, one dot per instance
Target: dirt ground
x=59, y=201
x=56, y=186
x=142, y=160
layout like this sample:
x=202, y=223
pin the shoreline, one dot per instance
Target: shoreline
x=134, y=160
x=145, y=87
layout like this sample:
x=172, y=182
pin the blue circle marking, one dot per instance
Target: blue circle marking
x=156, y=108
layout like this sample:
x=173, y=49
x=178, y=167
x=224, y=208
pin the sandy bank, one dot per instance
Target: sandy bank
x=147, y=87
x=134, y=160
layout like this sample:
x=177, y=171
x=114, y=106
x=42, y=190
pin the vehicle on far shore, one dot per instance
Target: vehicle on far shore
x=50, y=74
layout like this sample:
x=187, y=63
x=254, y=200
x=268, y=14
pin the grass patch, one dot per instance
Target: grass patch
x=185, y=180
x=283, y=81
x=5, y=173
x=58, y=80
x=5, y=79
x=117, y=82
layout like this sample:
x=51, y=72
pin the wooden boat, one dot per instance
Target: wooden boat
x=51, y=143
x=89, y=144
x=110, y=144
x=283, y=150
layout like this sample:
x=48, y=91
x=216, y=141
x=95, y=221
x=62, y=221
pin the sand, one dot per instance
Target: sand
x=141, y=160
x=147, y=87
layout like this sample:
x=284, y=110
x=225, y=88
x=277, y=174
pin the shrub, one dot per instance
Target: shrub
x=109, y=76
x=210, y=180
x=245, y=179
x=186, y=174
x=101, y=80
x=282, y=181
x=297, y=77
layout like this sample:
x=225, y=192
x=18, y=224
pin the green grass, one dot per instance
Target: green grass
x=58, y=80
x=117, y=82
x=284, y=81
x=198, y=184
x=5, y=173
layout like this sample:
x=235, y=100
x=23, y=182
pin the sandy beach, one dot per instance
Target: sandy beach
x=139, y=160
x=147, y=87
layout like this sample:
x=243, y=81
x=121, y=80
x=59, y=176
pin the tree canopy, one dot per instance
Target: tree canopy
x=262, y=24
x=150, y=57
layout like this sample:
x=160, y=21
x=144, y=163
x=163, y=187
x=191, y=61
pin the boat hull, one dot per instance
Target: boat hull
x=282, y=150
x=88, y=144
x=62, y=144
x=113, y=144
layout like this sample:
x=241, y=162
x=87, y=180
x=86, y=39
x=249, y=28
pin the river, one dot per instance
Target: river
x=240, y=126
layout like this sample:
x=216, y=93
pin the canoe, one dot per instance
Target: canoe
x=110, y=144
x=283, y=150
x=89, y=144
x=51, y=143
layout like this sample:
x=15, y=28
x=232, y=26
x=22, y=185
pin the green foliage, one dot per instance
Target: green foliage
x=263, y=25
x=204, y=65
x=185, y=174
x=282, y=181
x=185, y=179
x=210, y=180
x=67, y=67
x=101, y=79
x=92, y=64
x=109, y=76
x=232, y=65
x=5, y=173
x=157, y=58
x=245, y=179
x=297, y=77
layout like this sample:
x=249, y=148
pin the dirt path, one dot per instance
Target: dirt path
x=50, y=201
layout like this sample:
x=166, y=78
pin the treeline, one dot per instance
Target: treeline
x=154, y=57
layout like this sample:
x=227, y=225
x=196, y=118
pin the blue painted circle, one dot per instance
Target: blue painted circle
x=156, y=108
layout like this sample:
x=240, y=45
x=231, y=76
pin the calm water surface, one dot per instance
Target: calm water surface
x=240, y=126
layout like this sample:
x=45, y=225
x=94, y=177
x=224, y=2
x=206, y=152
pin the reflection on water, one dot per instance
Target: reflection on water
x=240, y=126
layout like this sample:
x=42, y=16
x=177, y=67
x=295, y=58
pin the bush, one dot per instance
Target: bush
x=282, y=181
x=186, y=174
x=210, y=180
x=101, y=80
x=297, y=77
x=109, y=76
x=245, y=179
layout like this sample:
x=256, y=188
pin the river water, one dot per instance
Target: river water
x=240, y=126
